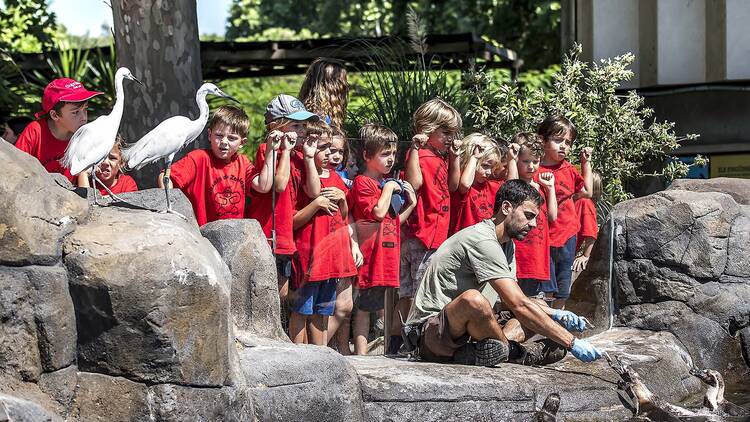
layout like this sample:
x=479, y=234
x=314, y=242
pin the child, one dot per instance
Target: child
x=64, y=110
x=286, y=122
x=339, y=160
x=436, y=125
x=558, y=135
x=586, y=210
x=216, y=181
x=377, y=225
x=110, y=173
x=10, y=130
x=474, y=197
x=533, y=252
x=322, y=237
x=325, y=90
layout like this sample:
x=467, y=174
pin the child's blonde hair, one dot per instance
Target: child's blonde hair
x=232, y=117
x=319, y=128
x=325, y=90
x=489, y=145
x=530, y=142
x=597, y=186
x=376, y=137
x=435, y=114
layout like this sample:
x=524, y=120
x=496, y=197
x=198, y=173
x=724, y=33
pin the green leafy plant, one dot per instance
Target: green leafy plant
x=628, y=143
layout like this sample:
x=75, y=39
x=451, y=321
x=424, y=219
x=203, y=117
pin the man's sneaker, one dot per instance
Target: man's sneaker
x=540, y=352
x=487, y=352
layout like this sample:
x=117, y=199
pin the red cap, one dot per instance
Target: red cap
x=64, y=89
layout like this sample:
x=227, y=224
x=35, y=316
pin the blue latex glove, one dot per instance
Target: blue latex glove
x=585, y=351
x=569, y=320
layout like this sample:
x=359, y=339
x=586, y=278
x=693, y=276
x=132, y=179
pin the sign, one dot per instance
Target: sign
x=730, y=165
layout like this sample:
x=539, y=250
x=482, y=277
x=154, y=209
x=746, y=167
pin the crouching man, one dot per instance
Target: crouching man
x=452, y=318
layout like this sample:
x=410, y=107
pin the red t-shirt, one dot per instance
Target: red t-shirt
x=587, y=216
x=38, y=141
x=567, y=182
x=323, y=243
x=216, y=189
x=532, y=253
x=261, y=209
x=124, y=184
x=431, y=217
x=379, y=241
x=473, y=206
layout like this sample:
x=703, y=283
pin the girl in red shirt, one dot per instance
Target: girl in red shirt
x=586, y=209
x=558, y=134
x=533, y=252
x=110, y=174
x=473, y=198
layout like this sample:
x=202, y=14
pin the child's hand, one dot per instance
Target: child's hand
x=547, y=179
x=359, y=259
x=513, y=151
x=478, y=151
x=580, y=263
x=419, y=140
x=290, y=140
x=326, y=205
x=310, y=146
x=411, y=196
x=586, y=154
x=454, y=147
x=274, y=139
x=394, y=186
x=333, y=194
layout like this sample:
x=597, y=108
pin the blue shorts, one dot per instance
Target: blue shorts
x=531, y=286
x=561, y=269
x=316, y=298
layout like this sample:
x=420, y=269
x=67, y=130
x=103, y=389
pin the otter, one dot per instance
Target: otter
x=645, y=402
x=714, y=399
x=548, y=412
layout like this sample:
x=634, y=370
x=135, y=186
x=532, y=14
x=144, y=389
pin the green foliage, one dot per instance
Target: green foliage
x=529, y=27
x=27, y=26
x=627, y=142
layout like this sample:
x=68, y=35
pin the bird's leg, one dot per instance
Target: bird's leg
x=166, y=182
x=112, y=195
x=93, y=184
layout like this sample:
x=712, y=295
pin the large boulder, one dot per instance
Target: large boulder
x=35, y=213
x=255, y=292
x=680, y=262
x=38, y=330
x=151, y=298
x=14, y=409
x=739, y=189
x=400, y=390
x=291, y=382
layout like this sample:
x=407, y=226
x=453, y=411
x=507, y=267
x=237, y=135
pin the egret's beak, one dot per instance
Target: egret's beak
x=134, y=79
x=229, y=97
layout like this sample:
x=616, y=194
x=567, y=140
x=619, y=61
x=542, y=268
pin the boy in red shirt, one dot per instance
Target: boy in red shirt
x=324, y=256
x=533, y=252
x=64, y=110
x=586, y=210
x=286, y=123
x=377, y=223
x=436, y=125
x=216, y=181
x=110, y=174
x=473, y=198
x=558, y=135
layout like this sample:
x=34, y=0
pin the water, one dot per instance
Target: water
x=738, y=394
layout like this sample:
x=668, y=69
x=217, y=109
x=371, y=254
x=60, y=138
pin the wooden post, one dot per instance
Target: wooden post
x=158, y=41
x=388, y=317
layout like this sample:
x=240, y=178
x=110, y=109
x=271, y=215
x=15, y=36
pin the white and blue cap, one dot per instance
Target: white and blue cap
x=288, y=107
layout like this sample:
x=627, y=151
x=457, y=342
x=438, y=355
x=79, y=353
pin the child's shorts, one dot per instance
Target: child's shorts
x=561, y=269
x=370, y=300
x=415, y=258
x=316, y=298
x=531, y=287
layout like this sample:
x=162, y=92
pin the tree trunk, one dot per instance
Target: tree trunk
x=158, y=41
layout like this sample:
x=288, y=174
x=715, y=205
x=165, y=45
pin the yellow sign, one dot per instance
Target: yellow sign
x=730, y=165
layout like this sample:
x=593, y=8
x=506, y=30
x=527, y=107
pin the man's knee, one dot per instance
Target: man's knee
x=473, y=303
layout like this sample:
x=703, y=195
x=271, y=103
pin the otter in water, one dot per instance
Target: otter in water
x=714, y=399
x=548, y=412
x=646, y=403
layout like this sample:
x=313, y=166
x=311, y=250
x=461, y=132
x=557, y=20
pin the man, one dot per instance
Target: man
x=454, y=302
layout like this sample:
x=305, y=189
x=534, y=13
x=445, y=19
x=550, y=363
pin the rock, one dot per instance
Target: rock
x=151, y=299
x=255, y=292
x=298, y=382
x=13, y=409
x=38, y=331
x=745, y=344
x=147, y=199
x=400, y=390
x=35, y=213
x=61, y=387
x=95, y=399
x=739, y=189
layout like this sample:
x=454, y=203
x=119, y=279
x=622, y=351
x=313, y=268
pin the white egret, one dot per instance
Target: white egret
x=170, y=136
x=92, y=142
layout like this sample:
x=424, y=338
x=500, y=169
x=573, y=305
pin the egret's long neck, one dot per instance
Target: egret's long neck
x=119, y=99
x=200, y=98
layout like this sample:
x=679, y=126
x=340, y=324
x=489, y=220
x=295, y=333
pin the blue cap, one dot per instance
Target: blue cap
x=287, y=107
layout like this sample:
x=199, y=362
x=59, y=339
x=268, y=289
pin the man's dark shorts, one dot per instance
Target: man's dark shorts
x=435, y=343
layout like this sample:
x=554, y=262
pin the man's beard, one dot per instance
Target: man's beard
x=518, y=233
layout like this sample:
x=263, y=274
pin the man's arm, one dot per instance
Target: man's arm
x=529, y=314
